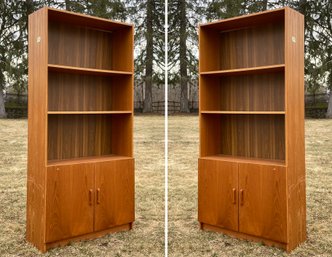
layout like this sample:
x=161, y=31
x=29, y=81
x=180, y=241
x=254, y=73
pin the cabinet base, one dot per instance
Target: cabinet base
x=93, y=235
x=240, y=235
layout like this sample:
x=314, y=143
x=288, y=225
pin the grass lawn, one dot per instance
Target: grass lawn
x=147, y=237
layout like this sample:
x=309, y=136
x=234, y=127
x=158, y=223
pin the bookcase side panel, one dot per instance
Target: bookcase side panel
x=295, y=155
x=37, y=127
x=123, y=49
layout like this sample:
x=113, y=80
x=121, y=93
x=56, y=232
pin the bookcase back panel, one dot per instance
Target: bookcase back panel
x=251, y=47
x=75, y=92
x=74, y=136
x=253, y=136
x=261, y=92
x=79, y=46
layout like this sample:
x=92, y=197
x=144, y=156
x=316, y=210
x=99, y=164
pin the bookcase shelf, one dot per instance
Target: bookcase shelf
x=263, y=92
x=244, y=112
x=251, y=173
x=238, y=159
x=87, y=112
x=88, y=71
x=80, y=151
x=245, y=71
x=83, y=160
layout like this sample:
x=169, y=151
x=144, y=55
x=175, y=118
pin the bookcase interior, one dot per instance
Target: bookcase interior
x=251, y=136
x=255, y=92
x=244, y=47
x=88, y=135
x=77, y=92
x=89, y=47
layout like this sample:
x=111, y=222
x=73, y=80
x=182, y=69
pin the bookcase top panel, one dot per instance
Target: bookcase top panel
x=72, y=18
x=248, y=20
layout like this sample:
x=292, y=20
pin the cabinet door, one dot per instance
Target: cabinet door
x=114, y=193
x=69, y=201
x=262, y=199
x=217, y=193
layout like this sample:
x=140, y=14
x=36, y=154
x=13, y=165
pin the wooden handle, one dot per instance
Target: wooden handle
x=90, y=196
x=98, y=191
x=241, y=196
x=234, y=196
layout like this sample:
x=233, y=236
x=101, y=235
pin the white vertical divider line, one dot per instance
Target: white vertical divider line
x=166, y=128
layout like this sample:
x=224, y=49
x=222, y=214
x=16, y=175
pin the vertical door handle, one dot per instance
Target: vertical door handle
x=234, y=196
x=98, y=193
x=241, y=196
x=90, y=196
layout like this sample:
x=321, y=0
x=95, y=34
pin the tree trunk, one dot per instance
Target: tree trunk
x=68, y=5
x=184, y=105
x=149, y=57
x=3, y=113
x=329, y=107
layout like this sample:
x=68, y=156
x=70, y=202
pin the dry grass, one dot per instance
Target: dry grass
x=147, y=237
x=185, y=238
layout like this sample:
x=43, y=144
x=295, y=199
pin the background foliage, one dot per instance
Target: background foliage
x=148, y=17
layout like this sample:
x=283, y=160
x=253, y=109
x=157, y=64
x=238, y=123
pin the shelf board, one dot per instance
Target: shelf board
x=244, y=112
x=247, y=20
x=241, y=159
x=90, y=159
x=88, y=71
x=89, y=112
x=245, y=71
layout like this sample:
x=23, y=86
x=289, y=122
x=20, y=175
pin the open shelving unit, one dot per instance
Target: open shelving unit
x=252, y=127
x=81, y=166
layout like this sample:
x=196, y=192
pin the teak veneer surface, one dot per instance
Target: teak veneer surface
x=73, y=136
x=253, y=136
x=263, y=92
x=80, y=138
x=77, y=92
x=251, y=90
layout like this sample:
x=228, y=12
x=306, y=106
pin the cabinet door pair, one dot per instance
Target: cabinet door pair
x=85, y=198
x=243, y=197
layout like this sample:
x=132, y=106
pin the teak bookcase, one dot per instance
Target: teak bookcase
x=80, y=142
x=251, y=170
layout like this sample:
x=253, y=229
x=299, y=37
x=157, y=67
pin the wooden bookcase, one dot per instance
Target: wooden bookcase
x=80, y=140
x=251, y=170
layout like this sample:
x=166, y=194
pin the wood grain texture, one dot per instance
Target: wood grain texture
x=248, y=20
x=37, y=124
x=239, y=159
x=263, y=207
x=251, y=113
x=87, y=71
x=255, y=136
x=69, y=211
x=251, y=47
x=263, y=92
x=218, y=193
x=114, y=184
x=77, y=92
x=97, y=23
x=73, y=136
x=79, y=46
x=294, y=85
x=245, y=71
x=80, y=114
